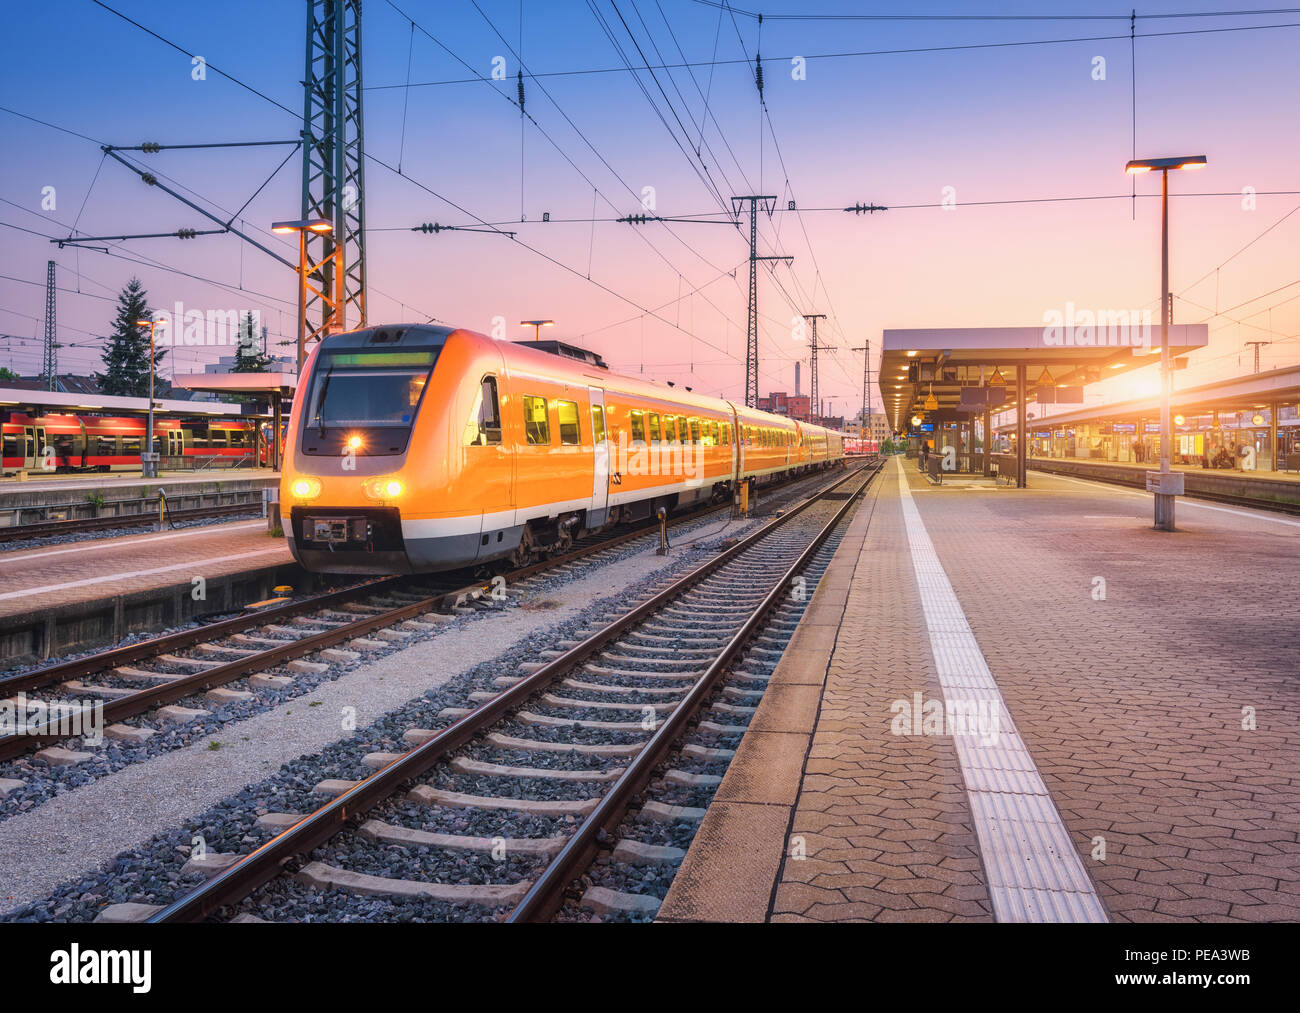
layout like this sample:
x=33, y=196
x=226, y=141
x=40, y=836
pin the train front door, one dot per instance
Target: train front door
x=600, y=474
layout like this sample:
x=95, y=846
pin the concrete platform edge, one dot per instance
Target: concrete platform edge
x=734, y=862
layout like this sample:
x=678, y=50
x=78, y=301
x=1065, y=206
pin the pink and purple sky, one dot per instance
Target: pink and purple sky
x=1004, y=123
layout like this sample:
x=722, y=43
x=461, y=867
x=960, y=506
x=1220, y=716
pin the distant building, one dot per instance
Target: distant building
x=279, y=364
x=794, y=406
x=877, y=429
x=64, y=383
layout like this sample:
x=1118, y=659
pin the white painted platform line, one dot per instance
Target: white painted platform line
x=1035, y=874
x=193, y=566
x=102, y=544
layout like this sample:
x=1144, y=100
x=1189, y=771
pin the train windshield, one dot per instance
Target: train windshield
x=366, y=389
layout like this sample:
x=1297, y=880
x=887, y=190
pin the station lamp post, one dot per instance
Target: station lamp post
x=302, y=226
x=1166, y=484
x=148, y=457
x=537, y=326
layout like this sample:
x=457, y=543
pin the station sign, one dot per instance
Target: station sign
x=1123, y=427
x=1151, y=427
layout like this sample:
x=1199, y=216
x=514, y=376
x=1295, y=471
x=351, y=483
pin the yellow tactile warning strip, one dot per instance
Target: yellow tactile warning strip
x=1034, y=872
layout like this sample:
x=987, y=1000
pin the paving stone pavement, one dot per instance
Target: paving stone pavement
x=36, y=579
x=1138, y=707
x=1152, y=677
x=884, y=818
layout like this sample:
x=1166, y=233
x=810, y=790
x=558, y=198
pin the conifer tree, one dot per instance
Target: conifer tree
x=126, y=356
x=247, y=357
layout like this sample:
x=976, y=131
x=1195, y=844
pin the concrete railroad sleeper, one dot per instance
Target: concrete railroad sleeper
x=210, y=677
x=354, y=799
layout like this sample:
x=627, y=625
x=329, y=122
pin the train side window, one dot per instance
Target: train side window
x=654, y=427
x=670, y=429
x=682, y=433
x=10, y=445
x=695, y=430
x=484, y=425
x=638, y=426
x=570, y=431
x=713, y=433
x=537, y=425
x=598, y=422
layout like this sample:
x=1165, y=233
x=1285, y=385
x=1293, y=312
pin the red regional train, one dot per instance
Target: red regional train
x=416, y=448
x=105, y=443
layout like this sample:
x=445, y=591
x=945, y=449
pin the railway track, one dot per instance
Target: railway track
x=82, y=525
x=140, y=677
x=569, y=742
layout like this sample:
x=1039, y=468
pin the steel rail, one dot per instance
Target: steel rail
x=188, y=685
x=547, y=891
x=169, y=642
x=182, y=639
x=263, y=864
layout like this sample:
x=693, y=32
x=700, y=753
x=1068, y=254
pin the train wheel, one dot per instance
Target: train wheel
x=527, y=552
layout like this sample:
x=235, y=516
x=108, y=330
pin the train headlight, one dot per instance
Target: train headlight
x=383, y=488
x=354, y=442
x=306, y=488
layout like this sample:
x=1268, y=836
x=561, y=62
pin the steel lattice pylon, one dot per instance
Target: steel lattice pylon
x=50, y=368
x=333, y=178
x=751, y=335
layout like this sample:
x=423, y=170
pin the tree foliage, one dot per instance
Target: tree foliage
x=247, y=357
x=126, y=356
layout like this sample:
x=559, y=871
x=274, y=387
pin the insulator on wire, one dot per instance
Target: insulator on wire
x=149, y=178
x=151, y=147
x=758, y=73
x=185, y=233
x=521, y=90
x=428, y=227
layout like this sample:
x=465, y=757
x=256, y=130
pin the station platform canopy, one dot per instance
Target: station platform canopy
x=274, y=386
x=280, y=384
x=45, y=401
x=932, y=366
x=1235, y=394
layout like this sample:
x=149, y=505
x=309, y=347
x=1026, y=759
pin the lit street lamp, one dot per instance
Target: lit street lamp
x=1166, y=484
x=537, y=326
x=302, y=226
x=148, y=457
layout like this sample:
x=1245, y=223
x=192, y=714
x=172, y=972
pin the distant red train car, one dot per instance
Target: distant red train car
x=66, y=443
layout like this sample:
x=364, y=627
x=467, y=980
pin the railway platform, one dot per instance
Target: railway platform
x=72, y=497
x=1125, y=745
x=1278, y=490
x=68, y=596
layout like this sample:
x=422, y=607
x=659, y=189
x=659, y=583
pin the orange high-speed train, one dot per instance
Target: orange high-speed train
x=414, y=448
